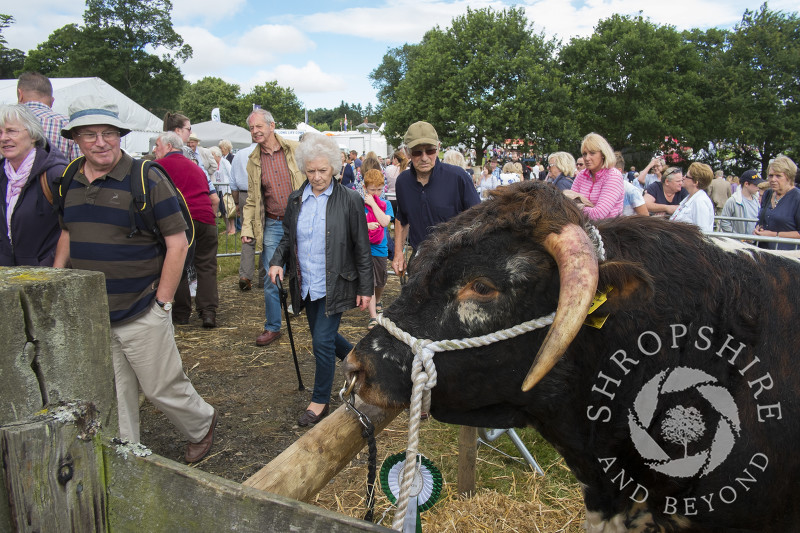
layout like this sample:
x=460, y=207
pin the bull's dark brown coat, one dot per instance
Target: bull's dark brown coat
x=487, y=270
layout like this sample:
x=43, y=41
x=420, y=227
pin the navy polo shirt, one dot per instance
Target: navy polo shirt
x=449, y=191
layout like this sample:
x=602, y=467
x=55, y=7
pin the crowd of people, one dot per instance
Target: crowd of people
x=320, y=217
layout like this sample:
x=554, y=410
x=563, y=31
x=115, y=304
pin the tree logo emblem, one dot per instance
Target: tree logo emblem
x=659, y=418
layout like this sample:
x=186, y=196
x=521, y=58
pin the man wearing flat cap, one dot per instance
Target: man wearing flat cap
x=428, y=193
x=141, y=276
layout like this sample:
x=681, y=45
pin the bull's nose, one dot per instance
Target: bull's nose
x=351, y=365
x=353, y=370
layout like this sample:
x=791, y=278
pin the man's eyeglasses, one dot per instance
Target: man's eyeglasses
x=91, y=136
x=579, y=164
x=429, y=151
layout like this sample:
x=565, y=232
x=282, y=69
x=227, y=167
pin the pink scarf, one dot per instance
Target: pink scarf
x=16, y=181
x=375, y=235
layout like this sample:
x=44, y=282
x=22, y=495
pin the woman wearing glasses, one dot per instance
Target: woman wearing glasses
x=663, y=198
x=29, y=228
x=697, y=208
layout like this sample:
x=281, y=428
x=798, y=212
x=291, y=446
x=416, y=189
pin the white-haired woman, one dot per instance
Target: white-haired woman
x=561, y=170
x=29, y=228
x=326, y=250
x=599, y=186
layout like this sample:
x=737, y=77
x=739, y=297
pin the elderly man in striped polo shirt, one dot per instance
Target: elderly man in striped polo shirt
x=140, y=277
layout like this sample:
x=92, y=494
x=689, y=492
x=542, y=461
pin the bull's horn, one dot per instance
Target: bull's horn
x=577, y=268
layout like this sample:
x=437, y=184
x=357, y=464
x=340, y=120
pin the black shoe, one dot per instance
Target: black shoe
x=310, y=418
x=245, y=284
x=180, y=321
x=209, y=319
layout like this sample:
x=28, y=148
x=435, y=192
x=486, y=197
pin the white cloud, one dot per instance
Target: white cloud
x=306, y=79
x=259, y=46
x=209, y=11
x=30, y=27
x=398, y=21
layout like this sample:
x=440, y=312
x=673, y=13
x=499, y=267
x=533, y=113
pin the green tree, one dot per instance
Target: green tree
x=387, y=76
x=113, y=44
x=760, y=75
x=634, y=82
x=198, y=99
x=141, y=24
x=11, y=59
x=286, y=109
x=485, y=79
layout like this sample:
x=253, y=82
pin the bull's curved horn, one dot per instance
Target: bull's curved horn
x=577, y=269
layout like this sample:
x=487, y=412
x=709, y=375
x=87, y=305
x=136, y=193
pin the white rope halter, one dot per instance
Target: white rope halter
x=423, y=378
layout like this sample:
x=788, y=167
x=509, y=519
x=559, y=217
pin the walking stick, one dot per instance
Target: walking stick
x=284, y=294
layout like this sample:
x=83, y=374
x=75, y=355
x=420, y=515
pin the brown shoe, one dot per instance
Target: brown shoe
x=197, y=450
x=310, y=418
x=267, y=337
x=245, y=284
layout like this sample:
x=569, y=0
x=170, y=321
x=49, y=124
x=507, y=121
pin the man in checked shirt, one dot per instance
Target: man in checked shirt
x=36, y=92
x=272, y=170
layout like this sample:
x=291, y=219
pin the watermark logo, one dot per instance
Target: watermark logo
x=682, y=425
x=686, y=400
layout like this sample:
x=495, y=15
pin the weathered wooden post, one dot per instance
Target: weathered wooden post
x=55, y=473
x=54, y=346
x=467, y=459
x=306, y=466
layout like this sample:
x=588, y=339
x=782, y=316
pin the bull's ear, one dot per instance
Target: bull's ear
x=632, y=285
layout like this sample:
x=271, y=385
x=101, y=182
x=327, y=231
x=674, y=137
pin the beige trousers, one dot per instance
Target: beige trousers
x=145, y=354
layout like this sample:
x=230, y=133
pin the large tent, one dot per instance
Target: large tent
x=212, y=132
x=143, y=123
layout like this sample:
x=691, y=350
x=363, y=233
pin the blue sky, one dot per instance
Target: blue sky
x=326, y=50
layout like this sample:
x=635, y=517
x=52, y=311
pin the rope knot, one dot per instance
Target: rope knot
x=423, y=379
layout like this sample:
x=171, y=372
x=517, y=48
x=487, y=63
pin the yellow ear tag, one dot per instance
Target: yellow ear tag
x=596, y=321
x=599, y=299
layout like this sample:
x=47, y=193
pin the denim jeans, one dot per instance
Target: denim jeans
x=327, y=344
x=273, y=232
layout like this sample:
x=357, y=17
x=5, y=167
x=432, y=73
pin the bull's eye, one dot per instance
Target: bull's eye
x=478, y=289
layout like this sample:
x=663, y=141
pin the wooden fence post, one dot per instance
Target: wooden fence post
x=54, y=347
x=55, y=480
x=467, y=458
x=305, y=467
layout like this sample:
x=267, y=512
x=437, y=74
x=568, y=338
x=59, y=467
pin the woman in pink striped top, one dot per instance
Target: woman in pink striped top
x=599, y=187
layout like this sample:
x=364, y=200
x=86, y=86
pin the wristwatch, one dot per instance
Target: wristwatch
x=166, y=306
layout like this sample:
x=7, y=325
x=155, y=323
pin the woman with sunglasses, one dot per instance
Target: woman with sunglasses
x=663, y=198
x=697, y=208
